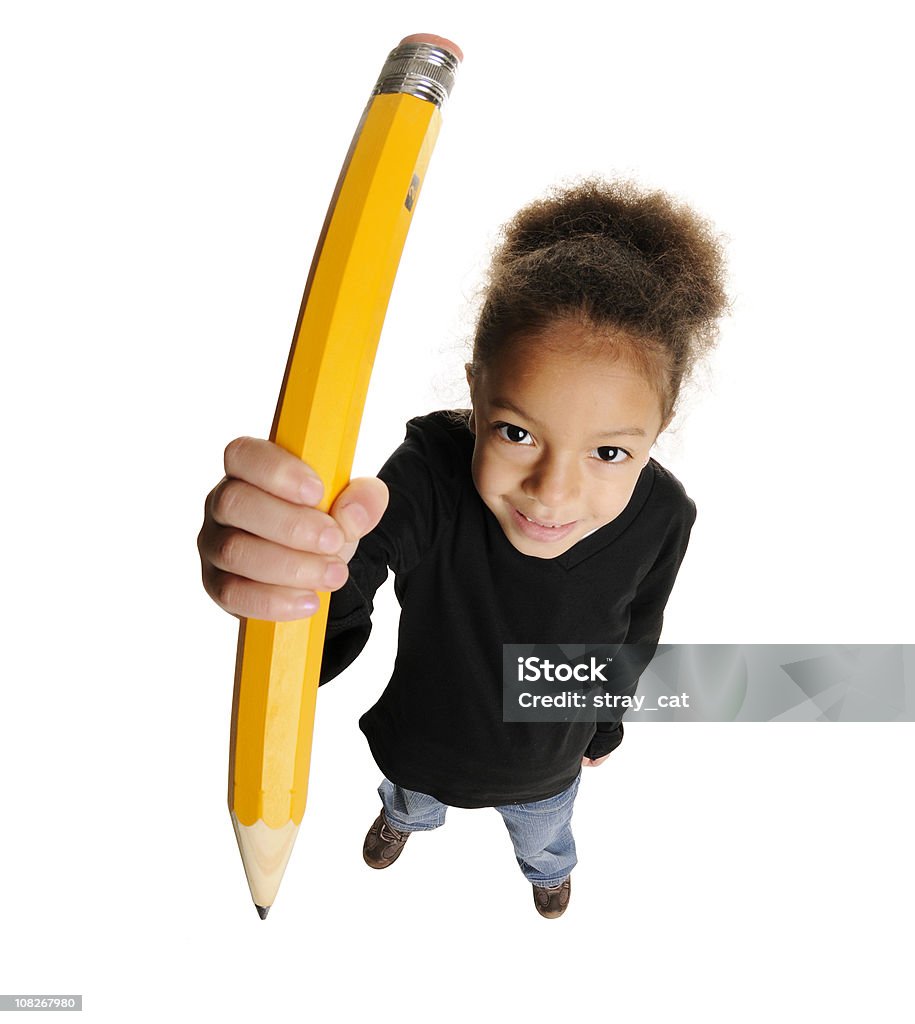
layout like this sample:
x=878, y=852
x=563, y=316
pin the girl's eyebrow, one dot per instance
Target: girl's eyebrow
x=630, y=431
x=504, y=403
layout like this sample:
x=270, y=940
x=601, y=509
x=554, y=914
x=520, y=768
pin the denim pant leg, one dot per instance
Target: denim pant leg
x=541, y=834
x=409, y=811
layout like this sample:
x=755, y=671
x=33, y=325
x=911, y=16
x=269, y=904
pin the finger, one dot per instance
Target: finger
x=236, y=503
x=273, y=469
x=262, y=561
x=251, y=600
x=359, y=506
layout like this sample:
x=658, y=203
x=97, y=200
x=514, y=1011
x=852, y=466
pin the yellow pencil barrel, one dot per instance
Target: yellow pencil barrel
x=317, y=418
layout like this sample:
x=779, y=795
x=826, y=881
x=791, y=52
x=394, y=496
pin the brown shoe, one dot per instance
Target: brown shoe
x=383, y=844
x=552, y=901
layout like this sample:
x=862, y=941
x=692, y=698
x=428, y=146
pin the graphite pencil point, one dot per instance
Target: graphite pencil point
x=262, y=911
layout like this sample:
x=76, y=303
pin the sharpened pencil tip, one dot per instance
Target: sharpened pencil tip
x=261, y=910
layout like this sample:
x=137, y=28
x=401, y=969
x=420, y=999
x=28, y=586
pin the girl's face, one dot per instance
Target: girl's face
x=563, y=431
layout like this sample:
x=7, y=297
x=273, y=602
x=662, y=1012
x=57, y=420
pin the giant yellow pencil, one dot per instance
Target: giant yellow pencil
x=317, y=418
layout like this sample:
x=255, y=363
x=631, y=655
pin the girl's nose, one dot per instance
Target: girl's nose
x=553, y=482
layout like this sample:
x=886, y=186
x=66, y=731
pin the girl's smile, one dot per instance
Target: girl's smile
x=564, y=425
x=549, y=533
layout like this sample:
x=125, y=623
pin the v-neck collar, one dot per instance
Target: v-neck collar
x=589, y=545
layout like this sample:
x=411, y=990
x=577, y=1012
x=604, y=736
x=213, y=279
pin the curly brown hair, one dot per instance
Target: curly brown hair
x=641, y=269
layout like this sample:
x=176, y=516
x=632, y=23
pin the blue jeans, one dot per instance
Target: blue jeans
x=540, y=832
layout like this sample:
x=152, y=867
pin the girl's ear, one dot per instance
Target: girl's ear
x=468, y=369
x=471, y=424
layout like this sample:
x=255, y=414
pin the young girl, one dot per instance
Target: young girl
x=538, y=516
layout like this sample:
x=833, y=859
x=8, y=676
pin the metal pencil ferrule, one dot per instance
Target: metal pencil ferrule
x=418, y=69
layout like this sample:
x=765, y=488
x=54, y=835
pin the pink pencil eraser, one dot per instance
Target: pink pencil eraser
x=445, y=44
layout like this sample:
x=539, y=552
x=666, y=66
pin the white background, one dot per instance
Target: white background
x=166, y=168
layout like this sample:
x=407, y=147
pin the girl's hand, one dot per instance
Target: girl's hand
x=588, y=763
x=264, y=548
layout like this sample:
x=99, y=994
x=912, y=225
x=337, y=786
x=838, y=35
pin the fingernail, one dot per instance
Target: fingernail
x=311, y=490
x=357, y=516
x=335, y=574
x=306, y=605
x=330, y=540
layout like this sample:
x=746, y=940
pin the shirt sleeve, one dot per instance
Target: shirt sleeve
x=421, y=483
x=645, y=621
x=349, y=621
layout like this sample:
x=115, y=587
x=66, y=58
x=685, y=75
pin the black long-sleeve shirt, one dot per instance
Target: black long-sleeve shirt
x=464, y=591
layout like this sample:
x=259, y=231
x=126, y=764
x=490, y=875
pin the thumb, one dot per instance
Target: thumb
x=359, y=507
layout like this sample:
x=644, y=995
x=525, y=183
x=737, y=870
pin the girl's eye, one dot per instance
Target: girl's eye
x=607, y=453
x=517, y=435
